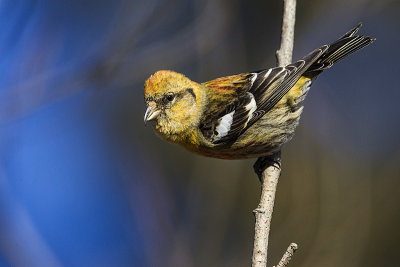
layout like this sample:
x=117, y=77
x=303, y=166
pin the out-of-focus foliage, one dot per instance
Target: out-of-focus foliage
x=84, y=183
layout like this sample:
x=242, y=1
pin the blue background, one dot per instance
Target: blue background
x=84, y=183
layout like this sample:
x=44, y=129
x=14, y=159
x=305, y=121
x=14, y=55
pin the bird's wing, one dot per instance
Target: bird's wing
x=236, y=102
x=226, y=122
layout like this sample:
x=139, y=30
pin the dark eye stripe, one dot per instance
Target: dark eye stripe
x=190, y=90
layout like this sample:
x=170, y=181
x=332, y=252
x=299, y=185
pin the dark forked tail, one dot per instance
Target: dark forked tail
x=341, y=48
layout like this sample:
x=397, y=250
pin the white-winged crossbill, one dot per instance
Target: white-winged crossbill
x=240, y=116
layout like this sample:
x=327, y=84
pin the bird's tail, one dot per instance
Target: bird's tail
x=341, y=48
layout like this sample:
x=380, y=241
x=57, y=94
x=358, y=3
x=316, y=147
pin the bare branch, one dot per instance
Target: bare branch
x=287, y=256
x=268, y=168
x=284, y=54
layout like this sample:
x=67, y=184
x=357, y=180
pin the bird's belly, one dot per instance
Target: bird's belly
x=269, y=133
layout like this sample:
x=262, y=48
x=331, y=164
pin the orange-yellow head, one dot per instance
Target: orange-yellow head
x=173, y=104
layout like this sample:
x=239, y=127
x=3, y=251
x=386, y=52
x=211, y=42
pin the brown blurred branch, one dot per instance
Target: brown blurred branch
x=268, y=168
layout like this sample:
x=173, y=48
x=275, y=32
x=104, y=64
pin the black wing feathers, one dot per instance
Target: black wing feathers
x=341, y=48
x=281, y=80
x=240, y=119
x=352, y=31
x=266, y=88
x=217, y=133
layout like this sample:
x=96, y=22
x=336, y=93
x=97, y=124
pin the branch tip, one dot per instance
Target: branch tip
x=288, y=255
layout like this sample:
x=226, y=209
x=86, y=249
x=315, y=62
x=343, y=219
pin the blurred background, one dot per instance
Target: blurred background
x=84, y=183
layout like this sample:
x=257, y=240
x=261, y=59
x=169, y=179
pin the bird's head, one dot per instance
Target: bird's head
x=172, y=102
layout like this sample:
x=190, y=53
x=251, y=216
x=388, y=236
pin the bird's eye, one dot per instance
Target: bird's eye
x=170, y=97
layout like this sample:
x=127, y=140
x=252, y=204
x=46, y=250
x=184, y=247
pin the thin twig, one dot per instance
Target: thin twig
x=287, y=256
x=268, y=168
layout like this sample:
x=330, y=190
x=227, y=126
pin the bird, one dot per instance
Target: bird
x=240, y=116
